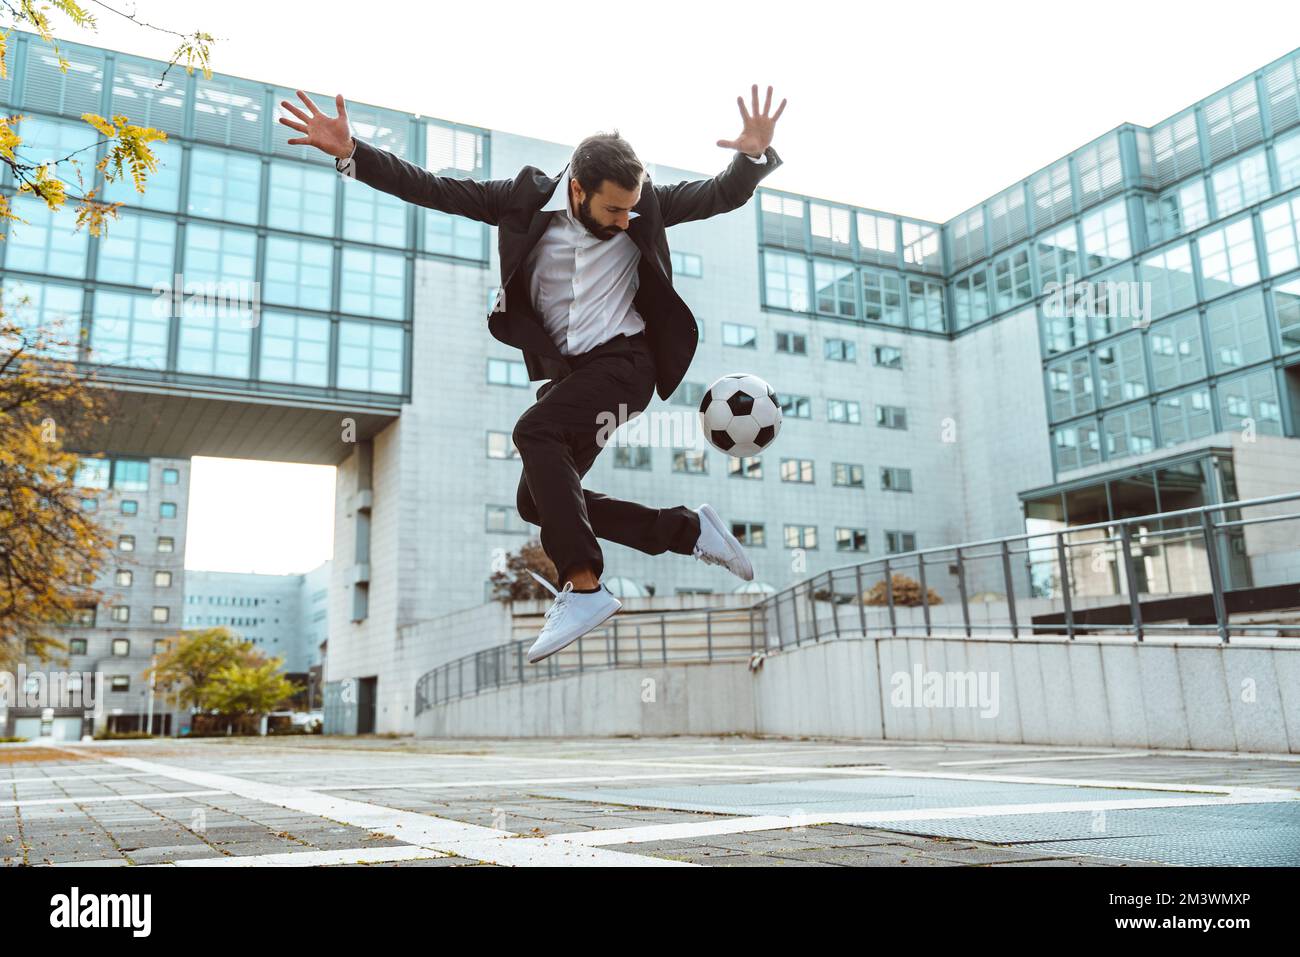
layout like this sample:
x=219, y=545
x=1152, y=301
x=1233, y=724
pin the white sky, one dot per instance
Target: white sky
x=923, y=109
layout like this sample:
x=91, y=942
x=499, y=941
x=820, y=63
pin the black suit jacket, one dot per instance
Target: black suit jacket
x=514, y=206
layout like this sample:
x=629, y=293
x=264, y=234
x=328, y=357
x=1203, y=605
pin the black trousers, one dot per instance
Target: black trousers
x=559, y=438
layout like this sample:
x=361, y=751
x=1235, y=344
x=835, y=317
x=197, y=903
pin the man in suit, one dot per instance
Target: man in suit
x=586, y=293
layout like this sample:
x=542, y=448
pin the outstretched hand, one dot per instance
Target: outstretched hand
x=756, y=136
x=329, y=134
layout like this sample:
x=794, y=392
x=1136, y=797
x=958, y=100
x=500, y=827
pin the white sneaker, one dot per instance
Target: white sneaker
x=573, y=614
x=717, y=546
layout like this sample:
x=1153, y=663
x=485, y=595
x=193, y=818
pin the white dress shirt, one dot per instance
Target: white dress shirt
x=582, y=287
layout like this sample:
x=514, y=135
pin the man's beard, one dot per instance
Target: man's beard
x=596, y=229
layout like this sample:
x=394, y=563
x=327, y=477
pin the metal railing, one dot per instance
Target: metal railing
x=1171, y=572
x=628, y=640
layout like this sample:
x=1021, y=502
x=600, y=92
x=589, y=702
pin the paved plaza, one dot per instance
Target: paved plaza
x=725, y=802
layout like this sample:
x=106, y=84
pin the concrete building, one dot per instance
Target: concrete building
x=935, y=388
x=144, y=504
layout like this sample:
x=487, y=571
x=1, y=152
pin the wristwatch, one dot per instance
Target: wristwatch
x=345, y=164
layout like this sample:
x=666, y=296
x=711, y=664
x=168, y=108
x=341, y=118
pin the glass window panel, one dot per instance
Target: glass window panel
x=162, y=188
x=48, y=242
x=138, y=251
x=1240, y=183
x=370, y=216
x=1251, y=401
x=216, y=337
x=455, y=236
x=1281, y=225
x=224, y=184
x=295, y=348
x=785, y=280
x=129, y=329
x=1228, y=258
x=1121, y=370
x=298, y=272
x=925, y=305
x=1286, y=309
x=882, y=297
x=219, y=255
x=1172, y=284
x=834, y=284
x=1128, y=432
x=373, y=284
x=1286, y=156
x=1105, y=236
x=1177, y=355
x=1238, y=332
x=48, y=309
x=1184, y=416
x=370, y=356
x=301, y=198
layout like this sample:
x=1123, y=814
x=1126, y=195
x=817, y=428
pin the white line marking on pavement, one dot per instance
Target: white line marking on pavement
x=742, y=825
x=102, y=798
x=465, y=840
x=354, y=855
x=1062, y=757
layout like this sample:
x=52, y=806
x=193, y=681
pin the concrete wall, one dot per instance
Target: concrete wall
x=1185, y=695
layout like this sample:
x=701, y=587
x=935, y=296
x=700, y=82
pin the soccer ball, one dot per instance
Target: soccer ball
x=740, y=414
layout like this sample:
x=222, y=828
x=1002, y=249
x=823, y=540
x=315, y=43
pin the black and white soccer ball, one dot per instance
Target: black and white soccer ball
x=741, y=414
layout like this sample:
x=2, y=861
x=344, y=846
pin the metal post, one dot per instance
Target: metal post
x=925, y=597
x=519, y=659
x=1010, y=587
x=1216, y=575
x=961, y=587
x=663, y=637
x=812, y=609
x=1065, y=584
x=835, y=602
x=862, y=605
x=889, y=599
x=1130, y=576
x=794, y=614
x=460, y=677
x=708, y=630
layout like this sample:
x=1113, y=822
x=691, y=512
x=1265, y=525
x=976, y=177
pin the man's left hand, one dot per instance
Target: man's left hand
x=756, y=136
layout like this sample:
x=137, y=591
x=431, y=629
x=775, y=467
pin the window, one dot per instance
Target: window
x=167, y=510
x=161, y=614
x=1105, y=236
x=123, y=578
x=850, y=539
x=137, y=251
x=1281, y=225
x=1058, y=256
x=299, y=272
x=120, y=613
x=1238, y=332
x=92, y=473
x=295, y=348
x=921, y=246
x=126, y=543
x=830, y=229
x=77, y=646
x=373, y=283
x=90, y=505
x=796, y=406
x=631, y=457
x=1178, y=210
x=159, y=646
x=749, y=467
x=503, y=518
x=925, y=305
x=170, y=476
x=840, y=350
x=740, y=336
x=507, y=372
x=688, y=393
x=120, y=683
x=898, y=542
x=895, y=479
x=882, y=297
x=1076, y=446
x=370, y=356
x=690, y=461
x=1128, y=431
x=130, y=506
x=1170, y=274
x=131, y=475
x=891, y=417
x=847, y=475
x=121, y=647
x=887, y=357
x=45, y=244
x=875, y=238
x=301, y=198
x=1069, y=385
x=501, y=445
x=162, y=579
x=1286, y=154
x=801, y=536
x=970, y=298
x=834, y=283
x=370, y=216
x=792, y=343
x=1012, y=282
x=752, y=534
x=687, y=264
x=166, y=543
x=1286, y=307
x=1228, y=258
x=127, y=329
x=1183, y=416
x=843, y=410
x=224, y=184
x=1240, y=183
x=1251, y=398
x=1121, y=370
x=1177, y=355
x=85, y=615
x=797, y=470
x=785, y=281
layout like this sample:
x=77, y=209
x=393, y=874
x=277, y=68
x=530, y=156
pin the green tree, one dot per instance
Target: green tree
x=244, y=691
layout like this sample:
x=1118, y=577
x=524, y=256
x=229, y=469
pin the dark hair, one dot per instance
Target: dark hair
x=606, y=156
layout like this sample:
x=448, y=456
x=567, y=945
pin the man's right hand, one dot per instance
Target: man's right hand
x=329, y=134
